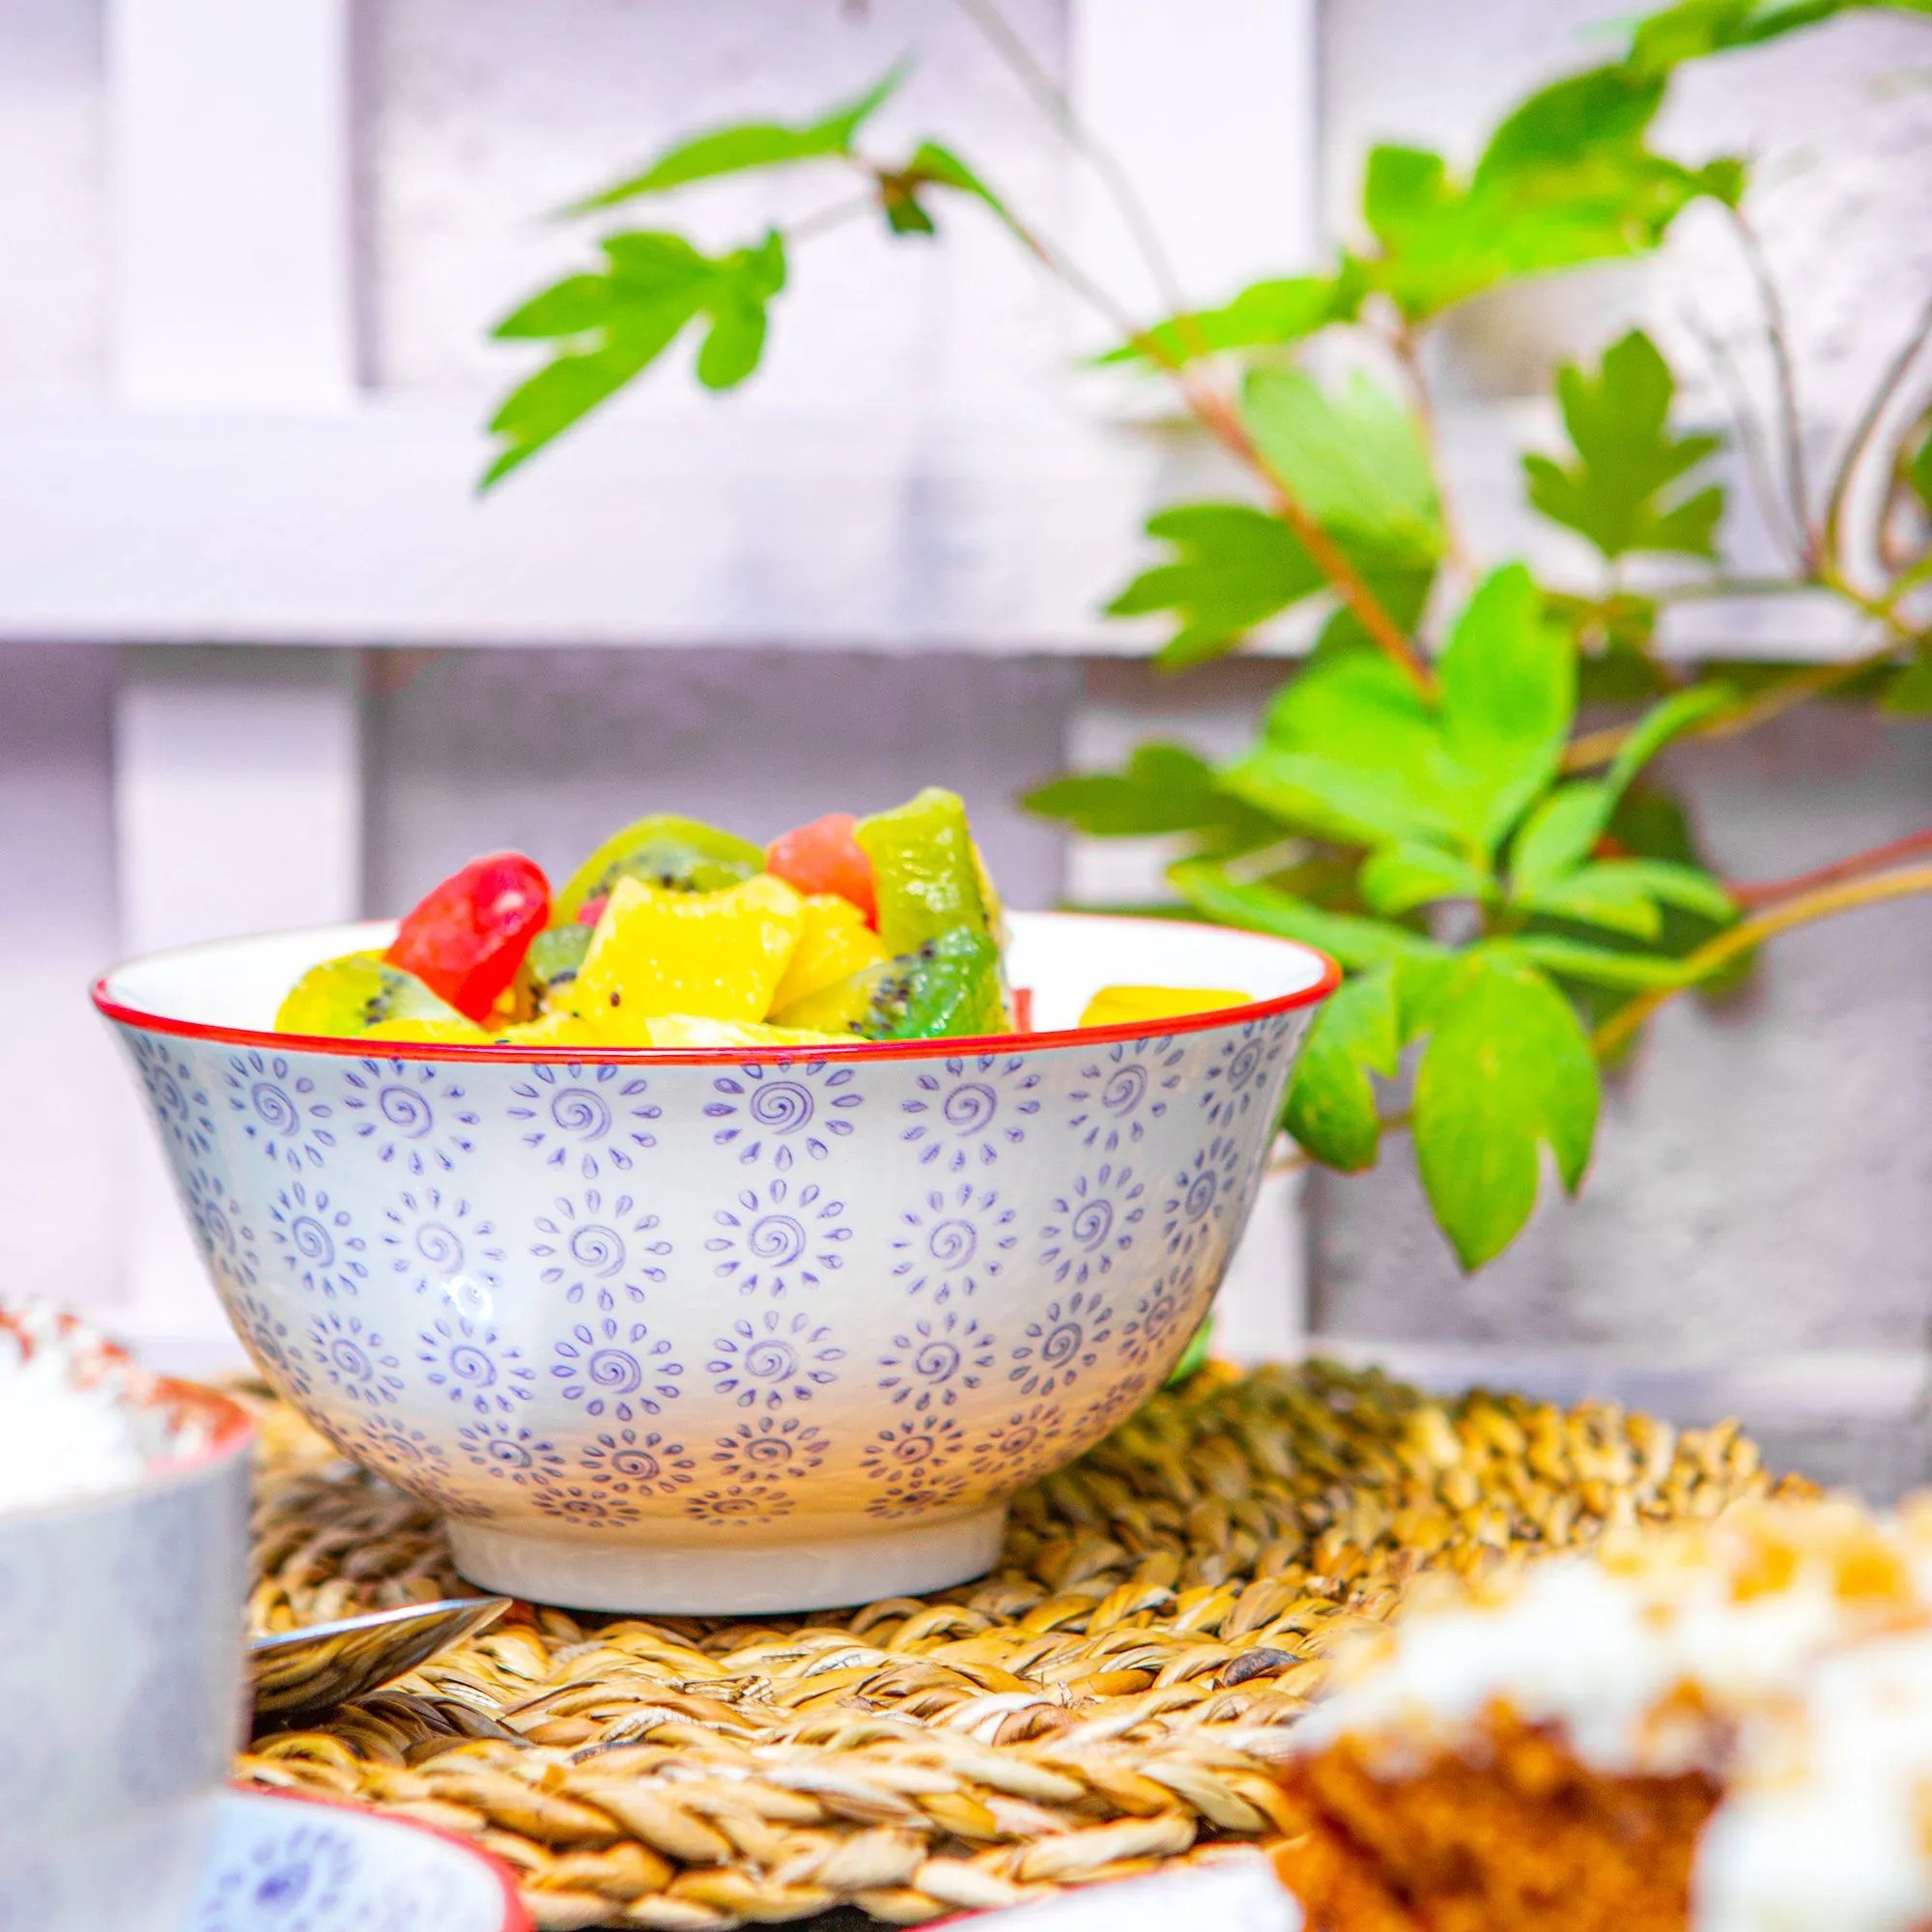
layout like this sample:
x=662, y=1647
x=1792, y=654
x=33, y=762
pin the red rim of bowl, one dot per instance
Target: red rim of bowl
x=725, y=1056
x=516, y=1915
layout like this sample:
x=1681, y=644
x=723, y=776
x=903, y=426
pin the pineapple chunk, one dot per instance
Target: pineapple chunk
x=674, y=1030
x=713, y=955
x=834, y=941
x=1131, y=1006
x=556, y=1028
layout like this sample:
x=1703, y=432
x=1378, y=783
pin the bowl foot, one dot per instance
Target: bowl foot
x=718, y=1580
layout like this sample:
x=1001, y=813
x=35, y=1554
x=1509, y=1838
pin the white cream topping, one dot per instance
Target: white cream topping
x=1825, y=1825
x=76, y=1418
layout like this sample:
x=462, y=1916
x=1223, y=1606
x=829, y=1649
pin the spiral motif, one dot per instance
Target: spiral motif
x=311, y=1239
x=936, y=1361
x=1062, y=1344
x=168, y=1095
x=951, y=1243
x=781, y=1105
x=512, y=1455
x=471, y=1365
x=406, y=1111
x=1094, y=1223
x=776, y=1238
x=400, y=1449
x=769, y=1361
x=275, y=1107
x=216, y=1224
x=597, y=1249
x=439, y=1246
x=580, y=1113
x=640, y=1465
x=613, y=1370
x=1124, y=1089
x=968, y=1108
x=769, y=1449
x=1200, y=1197
x=351, y=1360
x=912, y=1449
x=1241, y=1068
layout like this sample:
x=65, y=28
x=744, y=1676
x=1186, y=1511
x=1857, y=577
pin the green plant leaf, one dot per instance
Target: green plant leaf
x=1356, y=943
x=1908, y=694
x=613, y=327
x=1701, y=27
x=1352, y=455
x=1620, y=494
x=1331, y=1103
x=1601, y=895
x=1236, y=567
x=1398, y=878
x=753, y=144
x=1267, y=315
x=1509, y=695
x=1164, y=788
x=1506, y=1072
x=1598, y=965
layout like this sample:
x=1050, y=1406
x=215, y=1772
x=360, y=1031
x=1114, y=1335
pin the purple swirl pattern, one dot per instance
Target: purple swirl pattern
x=354, y=1358
x=972, y=1110
x=601, y=1253
x=181, y=1104
x=439, y=1245
x=215, y=1213
x=1062, y=1344
x=1239, y=1076
x=512, y=1452
x=783, y=1109
x=936, y=1361
x=582, y=1502
x=472, y=1365
x=1093, y=1224
x=635, y=1462
x=615, y=1368
x=1164, y=1317
x=1024, y=1444
x=586, y=1119
x=407, y=1454
x=732, y=1505
x=954, y=1241
x=411, y=1112
x=778, y=1238
x=771, y=1359
x=279, y=1109
x=772, y=1449
x=266, y=1335
x=1123, y=1092
x=317, y=1243
x=306, y=1875
x=1201, y=1191
x=1106, y=1413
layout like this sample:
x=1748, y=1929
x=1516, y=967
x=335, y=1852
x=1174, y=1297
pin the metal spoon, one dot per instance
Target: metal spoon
x=303, y=1673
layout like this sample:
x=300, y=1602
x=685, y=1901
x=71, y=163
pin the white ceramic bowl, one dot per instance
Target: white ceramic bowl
x=721, y=1331
x=122, y=1687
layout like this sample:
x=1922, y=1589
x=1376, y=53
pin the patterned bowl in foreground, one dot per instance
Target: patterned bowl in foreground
x=724, y=1330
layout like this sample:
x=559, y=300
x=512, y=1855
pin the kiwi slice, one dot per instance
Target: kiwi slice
x=343, y=996
x=681, y=855
x=554, y=956
x=949, y=985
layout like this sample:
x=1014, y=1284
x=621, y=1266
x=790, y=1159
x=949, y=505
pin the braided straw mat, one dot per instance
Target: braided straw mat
x=1111, y=1698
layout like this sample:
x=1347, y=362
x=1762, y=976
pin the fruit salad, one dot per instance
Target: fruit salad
x=675, y=934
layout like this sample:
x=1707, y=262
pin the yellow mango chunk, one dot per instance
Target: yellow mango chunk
x=685, y=1030
x=552, y=1029
x=834, y=941
x=714, y=955
x=453, y=1032
x=1132, y=1006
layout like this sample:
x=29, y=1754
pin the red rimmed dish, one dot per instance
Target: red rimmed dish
x=724, y=1329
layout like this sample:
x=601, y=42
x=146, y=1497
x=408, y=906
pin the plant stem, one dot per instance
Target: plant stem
x=1752, y=933
x=1866, y=428
x=1770, y=891
x=1749, y=431
x=1791, y=429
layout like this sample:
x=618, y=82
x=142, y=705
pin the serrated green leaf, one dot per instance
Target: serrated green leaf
x=1397, y=879
x=1507, y=1072
x=1331, y=1103
x=1356, y=943
x=1266, y=315
x=756, y=144
x=1599, y=965
x=1164, y=788
x=1236, y=567
x=1619, y=494
x=1352, y=455
x=1508, y=682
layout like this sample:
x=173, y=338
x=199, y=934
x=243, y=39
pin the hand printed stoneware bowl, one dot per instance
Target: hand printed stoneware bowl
x=122, y=1686
x=724, y=1330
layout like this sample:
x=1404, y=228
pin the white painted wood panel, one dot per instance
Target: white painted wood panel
x=228, y=128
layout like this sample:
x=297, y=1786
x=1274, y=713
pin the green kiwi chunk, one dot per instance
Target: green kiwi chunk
x=344, y=996
x=682, y=855
x=949, y=987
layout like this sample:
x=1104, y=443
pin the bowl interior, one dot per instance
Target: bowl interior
x=1065, y=957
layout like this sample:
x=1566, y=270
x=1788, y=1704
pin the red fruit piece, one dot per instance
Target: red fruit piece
x=824, y=857
x=468, y=936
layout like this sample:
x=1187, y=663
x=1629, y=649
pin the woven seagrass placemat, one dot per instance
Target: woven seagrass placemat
x=1110, y=1698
